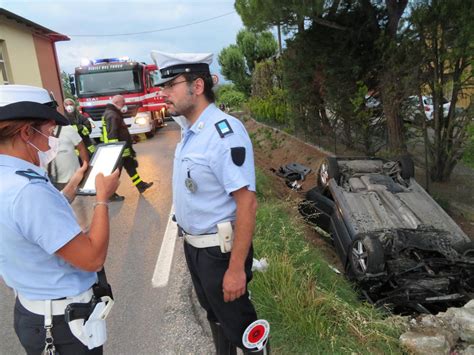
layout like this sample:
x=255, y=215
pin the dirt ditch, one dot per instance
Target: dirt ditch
x=451, y=332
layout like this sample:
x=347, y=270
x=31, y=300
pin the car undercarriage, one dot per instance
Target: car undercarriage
x=404, y=252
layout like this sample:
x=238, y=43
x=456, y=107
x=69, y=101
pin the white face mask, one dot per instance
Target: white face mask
x=46, y=157
x=70, y=108
x=124, y=109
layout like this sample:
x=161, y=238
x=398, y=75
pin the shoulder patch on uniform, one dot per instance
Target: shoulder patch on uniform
x=30, y=174
x=223, y=128
x=238, y=155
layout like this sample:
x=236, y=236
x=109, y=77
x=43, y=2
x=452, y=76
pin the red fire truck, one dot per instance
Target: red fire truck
x=99, y=80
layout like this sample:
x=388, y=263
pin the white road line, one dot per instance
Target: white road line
x=165, y=257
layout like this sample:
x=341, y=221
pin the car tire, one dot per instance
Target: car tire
x=160, y=119
x=151, y=134
x=329, y=169
x=366, y=256
x=466, y=250
x=407, y=167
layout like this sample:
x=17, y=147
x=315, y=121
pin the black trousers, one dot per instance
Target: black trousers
x=207, y=267
x=29, y=327
x=130, y=165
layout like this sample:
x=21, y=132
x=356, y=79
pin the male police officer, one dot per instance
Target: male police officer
x=214, y=196
x=114, y=129
x=80, y=123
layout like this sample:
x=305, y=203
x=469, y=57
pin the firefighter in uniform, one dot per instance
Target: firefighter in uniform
x=44, y=255
x=114, y=129
x=214, y=196
x=80, y=123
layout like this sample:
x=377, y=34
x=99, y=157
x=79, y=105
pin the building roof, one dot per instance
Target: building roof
x=52, y=35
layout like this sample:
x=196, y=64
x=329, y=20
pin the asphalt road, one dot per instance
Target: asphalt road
x=144, y=320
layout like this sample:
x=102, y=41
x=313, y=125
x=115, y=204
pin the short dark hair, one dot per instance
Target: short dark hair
x=208, y=84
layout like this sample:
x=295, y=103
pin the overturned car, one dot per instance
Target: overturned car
x=400, y=246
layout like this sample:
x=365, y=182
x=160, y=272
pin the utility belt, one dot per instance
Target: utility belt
x=84, y=313
x=58, y=307
x=224, y=238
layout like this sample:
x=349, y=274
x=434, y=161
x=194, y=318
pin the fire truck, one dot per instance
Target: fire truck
x=97, y=81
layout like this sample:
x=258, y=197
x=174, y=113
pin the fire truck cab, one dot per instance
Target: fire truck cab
x=97, y=81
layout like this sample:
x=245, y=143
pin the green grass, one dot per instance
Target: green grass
x=311, y=309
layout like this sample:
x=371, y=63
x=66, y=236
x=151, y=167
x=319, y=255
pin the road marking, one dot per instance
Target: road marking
x=165, y=257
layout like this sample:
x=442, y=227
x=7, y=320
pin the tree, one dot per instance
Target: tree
x=260, y=15
x=66, y=85
x=238, y=60
x=393, y=64
x=232, y=62
x=445, y=33
x=329, y=73
x=269, y=100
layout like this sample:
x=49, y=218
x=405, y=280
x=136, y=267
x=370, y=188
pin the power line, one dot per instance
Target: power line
x=152, y=31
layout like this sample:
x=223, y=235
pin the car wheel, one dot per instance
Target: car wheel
x=407, y=167
x=366, y=256
x=466, y=250
x=328, y=170
x=160, y=119
x=151, y=134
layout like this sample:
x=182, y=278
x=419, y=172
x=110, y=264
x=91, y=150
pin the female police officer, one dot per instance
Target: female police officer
x=44, y=255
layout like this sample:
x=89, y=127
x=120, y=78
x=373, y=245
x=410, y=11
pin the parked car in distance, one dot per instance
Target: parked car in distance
x=403, y=250
x=411, y=107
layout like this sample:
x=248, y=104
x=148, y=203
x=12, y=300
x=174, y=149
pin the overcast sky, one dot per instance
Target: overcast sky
x=106, y=17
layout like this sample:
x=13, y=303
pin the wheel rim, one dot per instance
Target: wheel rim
x=468, y=253
x=360, y=256
x=324, y=174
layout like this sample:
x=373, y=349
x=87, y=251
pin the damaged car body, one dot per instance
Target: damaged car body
x=401, y=247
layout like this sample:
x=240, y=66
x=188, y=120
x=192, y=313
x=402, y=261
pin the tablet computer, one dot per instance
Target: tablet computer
x=105, y=160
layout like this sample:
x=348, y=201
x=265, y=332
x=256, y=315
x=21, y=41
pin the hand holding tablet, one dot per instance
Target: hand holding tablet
x=105, y=160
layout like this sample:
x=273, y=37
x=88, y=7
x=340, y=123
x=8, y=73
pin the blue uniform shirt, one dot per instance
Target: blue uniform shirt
x=35, y=221
x=204, y=157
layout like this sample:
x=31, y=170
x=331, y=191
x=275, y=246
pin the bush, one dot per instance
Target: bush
x=272, y=108
x=229, y=96
x=468, y=155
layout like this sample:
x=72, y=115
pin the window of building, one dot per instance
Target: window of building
x=3, y=67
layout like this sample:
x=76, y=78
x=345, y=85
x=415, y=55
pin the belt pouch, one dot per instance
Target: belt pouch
x=225, y=234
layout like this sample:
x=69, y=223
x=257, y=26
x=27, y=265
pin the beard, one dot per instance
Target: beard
x=183, y=108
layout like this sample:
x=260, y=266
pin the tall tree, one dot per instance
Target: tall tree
x=260, y=15
x=392, y=76
x=66, y=85
x=238, y=60
x=445, y=33
x=328, y=73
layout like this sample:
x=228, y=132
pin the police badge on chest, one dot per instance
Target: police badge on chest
x=190, y=183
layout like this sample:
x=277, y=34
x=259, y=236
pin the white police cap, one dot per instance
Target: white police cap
x=173, y=64
x=28, y=102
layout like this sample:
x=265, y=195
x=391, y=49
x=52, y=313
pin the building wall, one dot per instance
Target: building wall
x=48, y=66
x=20, y=53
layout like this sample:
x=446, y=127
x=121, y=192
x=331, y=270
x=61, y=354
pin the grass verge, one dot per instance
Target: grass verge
x=311, y=309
